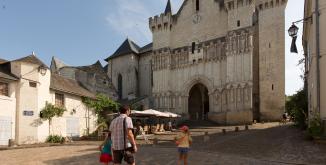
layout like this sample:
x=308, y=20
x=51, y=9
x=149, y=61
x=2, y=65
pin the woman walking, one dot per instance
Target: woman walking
x=183, y=141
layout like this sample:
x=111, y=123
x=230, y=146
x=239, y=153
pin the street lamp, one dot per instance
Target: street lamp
x=42, y=69
x=293, y=31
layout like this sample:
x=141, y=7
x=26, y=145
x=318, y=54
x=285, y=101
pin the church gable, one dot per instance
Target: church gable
x=196, y=21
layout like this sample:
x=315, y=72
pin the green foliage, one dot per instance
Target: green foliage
x=102, y=105
x=297, y=107
x=55, y=139
x=50, y=111
x=315, y=126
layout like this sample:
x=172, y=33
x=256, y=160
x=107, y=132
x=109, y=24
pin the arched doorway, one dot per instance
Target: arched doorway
x=120, y=86
x=198, y=102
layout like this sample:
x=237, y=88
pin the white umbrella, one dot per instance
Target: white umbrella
x=155, y=113
x=141, y=113
x=173, y=115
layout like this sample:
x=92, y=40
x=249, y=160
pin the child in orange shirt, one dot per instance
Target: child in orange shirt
x=183, y=141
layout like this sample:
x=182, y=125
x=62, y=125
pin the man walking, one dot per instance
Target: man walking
x=123, y=141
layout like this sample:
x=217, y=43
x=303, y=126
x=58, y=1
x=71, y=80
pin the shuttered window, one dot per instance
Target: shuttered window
x=4, y=89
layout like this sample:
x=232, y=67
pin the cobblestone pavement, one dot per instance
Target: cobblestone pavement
x=263, y=144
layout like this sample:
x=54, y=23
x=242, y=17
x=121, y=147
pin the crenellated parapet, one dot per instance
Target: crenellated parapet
x=161, y=22
x=235, y=4
x=269, y=4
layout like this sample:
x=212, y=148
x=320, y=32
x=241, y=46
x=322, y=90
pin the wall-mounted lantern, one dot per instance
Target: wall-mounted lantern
x=42, y=69
x=293, y=31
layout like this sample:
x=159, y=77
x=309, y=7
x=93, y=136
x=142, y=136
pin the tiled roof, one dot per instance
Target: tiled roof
x=30, y=59
x=126, y=47
x=70, y=86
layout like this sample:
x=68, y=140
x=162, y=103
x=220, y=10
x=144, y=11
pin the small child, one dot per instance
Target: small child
x=183, y=142
x=105, y=148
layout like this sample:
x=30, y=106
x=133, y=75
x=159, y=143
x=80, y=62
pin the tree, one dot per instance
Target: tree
x=102, y=105
x=50, y=111
x=297, y=107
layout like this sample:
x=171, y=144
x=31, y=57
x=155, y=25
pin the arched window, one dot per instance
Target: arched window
x=120, y=86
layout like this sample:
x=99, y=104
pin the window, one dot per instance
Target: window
x=238, y=23
x=4, y=89
x=197, y=5
x=272, y=87
x=193, y=45
x=59, y=100
x=32, y=84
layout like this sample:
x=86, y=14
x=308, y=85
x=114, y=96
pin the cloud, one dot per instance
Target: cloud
x=130, y=19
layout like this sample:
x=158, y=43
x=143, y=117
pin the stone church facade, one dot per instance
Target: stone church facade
x=221, y=60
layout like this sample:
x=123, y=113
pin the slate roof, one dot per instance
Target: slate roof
x=168, y=8
x=146, y=48
x=96, y=68
x=126, y=47
x=57, y=63
x=30, y=59
x=62, y=84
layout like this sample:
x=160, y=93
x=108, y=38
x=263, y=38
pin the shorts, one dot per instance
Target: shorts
x=183, y=150
x=118, y=156
x=105, y=158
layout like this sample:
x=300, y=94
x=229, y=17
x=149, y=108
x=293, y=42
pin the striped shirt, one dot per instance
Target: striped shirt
x=116, y=128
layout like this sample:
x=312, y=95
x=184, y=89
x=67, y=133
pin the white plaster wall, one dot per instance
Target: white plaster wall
x=59, y=126
x=43, y=97
x=27, y=100
x=8, y=107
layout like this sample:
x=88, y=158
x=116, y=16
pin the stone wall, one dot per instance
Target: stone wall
x=271, y=59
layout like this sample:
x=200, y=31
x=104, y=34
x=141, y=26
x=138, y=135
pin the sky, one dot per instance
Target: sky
x=80, y=32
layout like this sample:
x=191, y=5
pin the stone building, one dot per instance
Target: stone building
x=218, y=59
x=93, y=77
x=314, y=40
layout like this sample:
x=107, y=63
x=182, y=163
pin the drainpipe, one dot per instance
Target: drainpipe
x=318, y=54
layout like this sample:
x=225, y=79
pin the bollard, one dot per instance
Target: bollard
x=236, y=129
x=224, y=131
x=246, y=127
